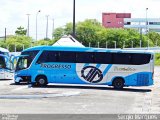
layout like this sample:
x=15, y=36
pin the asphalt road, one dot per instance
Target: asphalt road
x=63, y=99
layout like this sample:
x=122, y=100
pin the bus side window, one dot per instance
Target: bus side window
x=139, y=59
x=67, y=56
x=103, y=57
x=47, y=56
x=84, y=57
x=121, y=58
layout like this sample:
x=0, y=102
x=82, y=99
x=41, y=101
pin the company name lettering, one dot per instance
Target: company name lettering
x=124, y=69
x=56, y=66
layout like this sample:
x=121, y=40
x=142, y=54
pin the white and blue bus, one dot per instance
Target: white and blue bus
x=95, y=66
x=5, y=65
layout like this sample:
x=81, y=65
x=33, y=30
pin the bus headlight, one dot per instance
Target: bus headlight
x=18, y=79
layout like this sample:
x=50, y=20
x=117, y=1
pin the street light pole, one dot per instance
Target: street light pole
x=147, y=26
x=28, y=25
x=36, y=22
x=146, y=21
x=47, y=27
x=140, y=44
x=53, y=28
x=74, y=18
x=5, y=34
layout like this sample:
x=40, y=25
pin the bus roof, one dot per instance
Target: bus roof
x=87, y=49
x=3, y=50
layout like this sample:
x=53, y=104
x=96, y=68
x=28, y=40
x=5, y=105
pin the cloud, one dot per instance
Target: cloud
x=13, y=12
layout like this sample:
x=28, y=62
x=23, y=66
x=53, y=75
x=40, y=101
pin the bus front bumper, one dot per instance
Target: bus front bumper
x=19, y=79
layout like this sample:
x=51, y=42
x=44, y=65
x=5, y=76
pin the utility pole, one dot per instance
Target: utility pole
x=140, y=44
x=36, y=22
x=47, y=27
x=52, y=28
x=5, y=34
x=28, y=25
x=147, y=26
x=74, y=34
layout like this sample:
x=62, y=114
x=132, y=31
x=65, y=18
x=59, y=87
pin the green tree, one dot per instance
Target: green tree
x=58, y=33
x=3, y=43
x=154, y=37
x=21, y=31
x=19, y=42
x=41, y=42
x=87, y=32
x=91, y=31
x=68, y=29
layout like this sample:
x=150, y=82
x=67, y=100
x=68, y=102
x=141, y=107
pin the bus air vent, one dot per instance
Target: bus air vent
x=142, y=79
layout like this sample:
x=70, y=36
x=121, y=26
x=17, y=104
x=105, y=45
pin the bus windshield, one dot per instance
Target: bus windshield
x=5, y=63
x=2, y=62
x=25, y=61
x=4, y=53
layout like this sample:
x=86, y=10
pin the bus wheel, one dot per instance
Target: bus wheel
x=118, y=83
x=41, y=81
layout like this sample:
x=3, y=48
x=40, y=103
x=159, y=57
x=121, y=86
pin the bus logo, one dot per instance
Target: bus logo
x=92, y=74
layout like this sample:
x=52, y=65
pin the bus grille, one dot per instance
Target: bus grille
x=142, y=79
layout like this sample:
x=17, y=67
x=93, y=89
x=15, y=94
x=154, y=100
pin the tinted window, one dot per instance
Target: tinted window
x=48, y=56
x=67, y=57
x=1, y=52
x=31, y=54
x=2, y=62
x=138, y=59
x=103, y=58
x=131, y=58
x=4, y=53
x=84, y=57
x=94, y=57
x=121, y=58
x=23, y=63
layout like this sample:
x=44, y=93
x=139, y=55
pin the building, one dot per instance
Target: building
x=124, y=20
x=114, y=20
x=143, y=24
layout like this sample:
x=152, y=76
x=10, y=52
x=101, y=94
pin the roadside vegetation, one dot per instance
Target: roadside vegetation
x=89, y=32
x=157, y=59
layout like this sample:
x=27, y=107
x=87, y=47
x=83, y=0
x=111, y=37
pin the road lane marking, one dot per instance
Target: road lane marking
x=37, y=96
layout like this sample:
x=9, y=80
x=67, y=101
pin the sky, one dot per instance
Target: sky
x=14, y=13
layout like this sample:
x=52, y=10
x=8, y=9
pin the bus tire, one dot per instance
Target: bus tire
x=17, y=83
x=41, y=81
x=118, y=83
